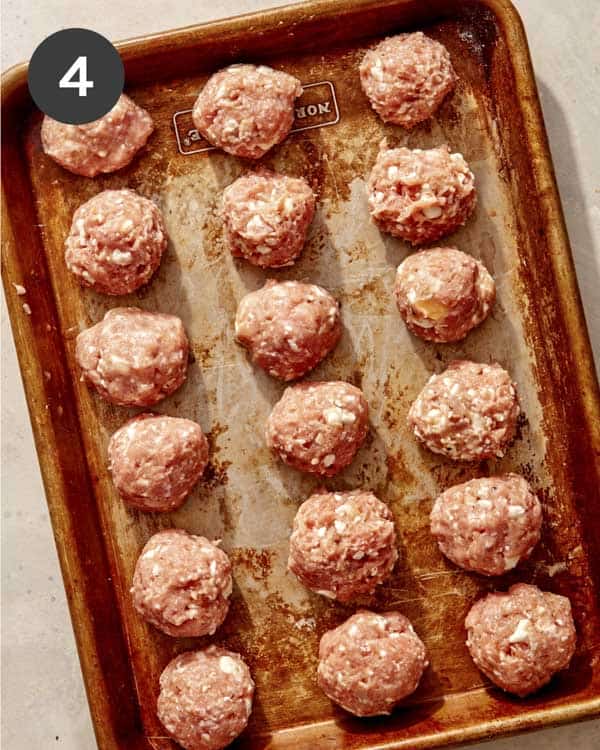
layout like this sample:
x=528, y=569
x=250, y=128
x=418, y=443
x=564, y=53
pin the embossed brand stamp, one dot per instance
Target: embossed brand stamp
x=316, y=108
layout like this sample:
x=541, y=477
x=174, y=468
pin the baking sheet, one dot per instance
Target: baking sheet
x=247, y=498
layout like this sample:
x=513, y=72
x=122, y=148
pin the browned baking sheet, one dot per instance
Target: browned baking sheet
x=247, y=498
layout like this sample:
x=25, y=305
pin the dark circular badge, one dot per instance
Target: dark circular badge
x=76, y=76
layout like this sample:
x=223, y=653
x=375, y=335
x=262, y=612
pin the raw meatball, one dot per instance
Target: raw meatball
x=116, y=242
x=443, y=293
x=406, y=77
x=487, y=525
x=205, y=698
x=371, y=662
x=182, y=584
x=289, y=327
x=266, y=217
x=155, y=461
x=420, y=196
x=104, y=145
x=521, y=638
x=469, y=412
x=133, y=357
x=246, y=110
x=318, y=427
x=343, y=544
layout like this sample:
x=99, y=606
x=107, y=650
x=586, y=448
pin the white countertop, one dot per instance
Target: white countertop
x=43, y=701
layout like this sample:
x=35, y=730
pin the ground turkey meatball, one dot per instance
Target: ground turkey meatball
x=469, y=412
x=133, y=357
x=155, y=461
x=288, y=327
x=521, y=638
x=266, y=217
x=443, y=293
x=420, y=196
x=116, y=242
x=205, y=698
x=487, y=525
x=182, y=584
x=406, y=77
x=246, y=110
x=102, y=146
x=318, y=427
x=343, y=544
x=371, y=662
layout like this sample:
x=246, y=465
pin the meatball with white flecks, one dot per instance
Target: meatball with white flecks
x=288, y=327
x=156, y=460
x=133, y=357
x=205, y=698
x=420, y=195
x=102, y=146
x=443, y=293
x=521, y=638
x=406, y=78
x=266, y=218
x=487, y=525
x=318, y=427
x=182, y=584
x=371, y=662
x=246, y=109
x=116, y=242
x=343, y=544
x=468, y=412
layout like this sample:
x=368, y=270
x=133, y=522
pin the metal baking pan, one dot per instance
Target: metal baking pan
x=537, y=331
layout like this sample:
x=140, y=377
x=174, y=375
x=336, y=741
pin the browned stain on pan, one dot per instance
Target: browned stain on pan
x=247, y=499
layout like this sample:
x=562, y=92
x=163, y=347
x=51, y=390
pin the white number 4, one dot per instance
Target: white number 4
x=68, y=81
